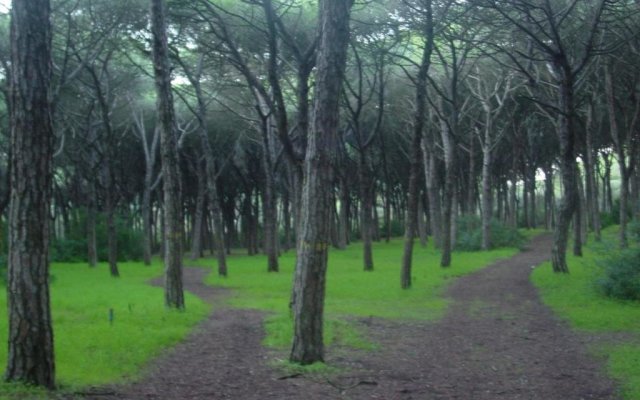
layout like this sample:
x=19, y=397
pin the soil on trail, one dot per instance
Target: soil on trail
x=497, y=341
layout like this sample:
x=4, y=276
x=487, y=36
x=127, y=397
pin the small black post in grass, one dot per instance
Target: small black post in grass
x=111, y=316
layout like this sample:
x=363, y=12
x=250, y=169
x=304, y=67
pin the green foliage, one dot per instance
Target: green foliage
x=621, y=274
x=90, y=350
x=575, y=298
x=73, y=248
x=351, y=292
x=470, y=234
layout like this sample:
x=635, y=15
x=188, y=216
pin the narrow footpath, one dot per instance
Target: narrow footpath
x=497, y=341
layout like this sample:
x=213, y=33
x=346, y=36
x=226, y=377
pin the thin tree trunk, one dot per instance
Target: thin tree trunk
x=449, y=183
x=435, y=207
x=591, y=187
x=487, y=206
x=92, y=247
x=30, y=357
x=620, y=155
x=415, y=151
x=365, y=212
x=198, y=220
x=343, y=223
x=173, y=291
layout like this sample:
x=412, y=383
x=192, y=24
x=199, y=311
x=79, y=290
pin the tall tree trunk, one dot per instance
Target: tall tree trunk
x=270, y=210
x=433, y=193
x=92, y=247
x=449, y=183
x=286, y=217
x=589, y=166
x=198, y=220
x=620, y=155
x=415, y=151
x=343, y=218
x=311, y=265
x=365, y=212
x=566, y=136
x=173, y=291
x=112, y=230
x=487, y=206
x=422, y=224
x=30, y=356
x=548, y=196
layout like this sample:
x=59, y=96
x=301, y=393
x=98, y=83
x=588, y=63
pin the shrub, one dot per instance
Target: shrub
x=621, y=275
x=73, y=248
x=470, y=234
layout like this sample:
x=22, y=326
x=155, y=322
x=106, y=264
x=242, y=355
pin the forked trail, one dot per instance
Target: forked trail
x=497, y=341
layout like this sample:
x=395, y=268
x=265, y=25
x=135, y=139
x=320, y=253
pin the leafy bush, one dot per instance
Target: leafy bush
x=68, y=250
x=73, y=248
x=621, y=275
x=470, y=234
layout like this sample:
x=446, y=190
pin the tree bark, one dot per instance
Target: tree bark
x=312, y=248
x=30, y=356
x=410, y=228
x=566, y=136
x=620, y=155
x=198, y=220
x=433, y=192
x=173, y=228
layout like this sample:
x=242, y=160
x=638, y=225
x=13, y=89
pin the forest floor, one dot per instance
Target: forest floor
x=496, y=340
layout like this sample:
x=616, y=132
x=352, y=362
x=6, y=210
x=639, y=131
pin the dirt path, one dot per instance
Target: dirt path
x=497, y=341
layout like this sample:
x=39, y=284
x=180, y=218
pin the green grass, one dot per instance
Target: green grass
x=575, y=298
x=88, y=349
x=351, y=292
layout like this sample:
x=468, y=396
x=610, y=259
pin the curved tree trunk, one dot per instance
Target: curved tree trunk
x=30, y=356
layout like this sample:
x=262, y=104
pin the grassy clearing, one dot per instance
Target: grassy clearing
x=89, y=349
x=351, y=292
x=575, y=298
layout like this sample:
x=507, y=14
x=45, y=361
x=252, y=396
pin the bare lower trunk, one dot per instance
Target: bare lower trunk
x=270, y=213
x=92, y=247
x=435, y=208
x=198, y=220
x=487, y=206
x=173, y=225
x=286, y=216
x=548, y=197
x=30, y=357
x=416, y=143
x=422, y=225
x=449, y=183
x=412, y=212
x=312, y=247
x=566, y=136
x=343, y=223
x=365, y=214
x=112, y=236
x=218, y=229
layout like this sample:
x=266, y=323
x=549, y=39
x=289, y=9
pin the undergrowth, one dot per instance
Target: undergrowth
x=578, y=298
